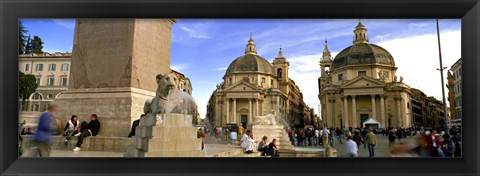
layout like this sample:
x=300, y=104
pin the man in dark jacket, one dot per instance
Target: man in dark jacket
x=90, y=129
x=134, y=126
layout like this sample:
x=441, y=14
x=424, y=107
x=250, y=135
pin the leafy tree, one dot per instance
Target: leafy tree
x=36, y=45
x=28, y=46
x=21, y=38
x=27, y=86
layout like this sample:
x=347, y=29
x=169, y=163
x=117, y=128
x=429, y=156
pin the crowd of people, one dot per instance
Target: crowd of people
x=46, y=128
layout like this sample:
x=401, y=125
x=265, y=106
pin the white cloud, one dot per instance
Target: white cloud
x=417, y=59
x=194, y=33
x=179, y=67
x=220, y=69
x=67, y=23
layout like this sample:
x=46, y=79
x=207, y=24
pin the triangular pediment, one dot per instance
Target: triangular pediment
x=242, y=86
x=363, y=81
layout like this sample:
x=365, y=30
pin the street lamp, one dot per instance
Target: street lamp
x=441, y=77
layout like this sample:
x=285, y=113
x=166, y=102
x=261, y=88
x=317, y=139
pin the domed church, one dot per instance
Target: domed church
x=252, y=87
x=359, y=87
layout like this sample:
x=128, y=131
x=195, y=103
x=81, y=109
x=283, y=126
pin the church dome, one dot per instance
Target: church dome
x=362, y=52
x=250, y=62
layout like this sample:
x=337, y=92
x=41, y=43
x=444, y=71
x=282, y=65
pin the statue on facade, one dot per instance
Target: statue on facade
x=401, y=79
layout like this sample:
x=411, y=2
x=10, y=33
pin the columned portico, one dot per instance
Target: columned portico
x=399, y=114
x=345, y=111
x=354, y=111
x=374, y=109
x=250, y=109
x=382, y=111
x=228, y=110
x=234, y=110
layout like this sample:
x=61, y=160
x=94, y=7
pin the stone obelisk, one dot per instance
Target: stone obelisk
x=114, y=64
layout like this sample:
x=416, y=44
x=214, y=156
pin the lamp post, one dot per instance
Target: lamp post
x=441, y=77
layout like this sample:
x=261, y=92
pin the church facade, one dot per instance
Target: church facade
x=361, y=84
x=252, y=87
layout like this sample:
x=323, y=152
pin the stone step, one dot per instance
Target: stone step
x=92, y=143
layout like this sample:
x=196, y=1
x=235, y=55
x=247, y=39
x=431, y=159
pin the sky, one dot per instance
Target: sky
x=202, y=49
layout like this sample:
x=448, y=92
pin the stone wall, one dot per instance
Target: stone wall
x=116, y=108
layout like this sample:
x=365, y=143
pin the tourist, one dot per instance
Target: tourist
x=371, y=141
x=317, y=137
x=201, y=135
x=71, y=128
x=352, y=147
x=31, y=132
x=240, y=131
x=424, y=149
x=448, y=146
x=263, y=146
x=218, y=131
x=357, y=138
x=331, y=136
x=363, y=133
x=45, y=129
x=23, y=132
x=273, y=148
x=134, y=126
x=90, y=129
x=310, y=136
x=457, y=140
x=227, y=133
x=247, y=142
x=232, y=135
x=325, y=134
x=399, y=135
x=391, y=137
x=290, y=136
x=339, y=133
x=300, y=137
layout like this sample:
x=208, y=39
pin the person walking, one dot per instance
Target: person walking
x=352, y=147
x=233, y=136
x=317, y=137
x=325, y=134
x=90, y=129
x=371, y=141
x=45, y=129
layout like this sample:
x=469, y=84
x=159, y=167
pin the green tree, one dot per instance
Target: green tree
x=28, y=46
x=27, y=86
x=36, y=45
x=21, y=38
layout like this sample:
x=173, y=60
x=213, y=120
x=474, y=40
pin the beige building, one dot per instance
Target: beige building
x=457, y=76
x=51, y=71
x=361, y=83
x=253, y=86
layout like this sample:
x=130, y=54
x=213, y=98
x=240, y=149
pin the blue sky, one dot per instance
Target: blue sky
x=203, y=48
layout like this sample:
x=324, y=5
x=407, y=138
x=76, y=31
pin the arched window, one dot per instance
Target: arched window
x=37, y=96
x=279, y=72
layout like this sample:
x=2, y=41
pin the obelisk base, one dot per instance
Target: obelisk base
x=165, y=135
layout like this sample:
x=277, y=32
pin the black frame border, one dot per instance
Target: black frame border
x=11, y=11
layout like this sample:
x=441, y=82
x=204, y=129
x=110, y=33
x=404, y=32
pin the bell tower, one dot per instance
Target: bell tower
x=280, y=66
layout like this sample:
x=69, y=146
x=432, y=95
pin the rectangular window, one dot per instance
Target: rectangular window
x=39, y=67
x=52, y=67
x=362, y=73
x=263, y=80
x=340, y=77
x=65, y=67
x=271, y=82
x=27, y=67
x=63, y=81
x=50, y=81
x=230, y=81
x=460, y=71
x=37, y=80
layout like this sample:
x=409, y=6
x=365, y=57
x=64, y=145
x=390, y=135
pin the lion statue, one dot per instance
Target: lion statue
x=168, y=99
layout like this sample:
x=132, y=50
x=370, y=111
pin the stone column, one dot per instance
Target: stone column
x=399, y=118
x=250, y=111
x=374, y=109
x=256, y=107
x=382, y=111
x=345, y=111
x=354, y=111
x=234, y=110
x=228, y=110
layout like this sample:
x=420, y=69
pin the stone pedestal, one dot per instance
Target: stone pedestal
x=272, y=132
x=116, y=108
x=165, y=135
